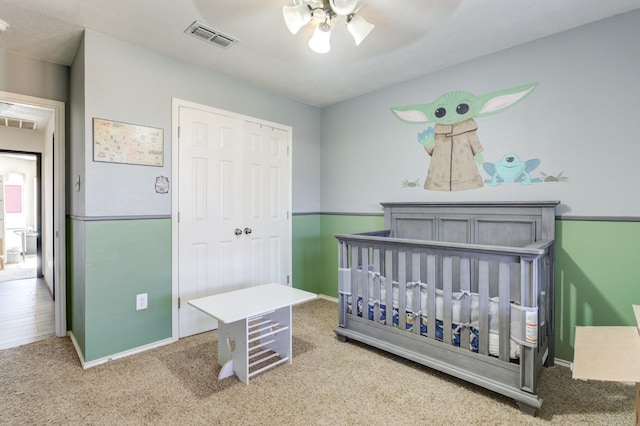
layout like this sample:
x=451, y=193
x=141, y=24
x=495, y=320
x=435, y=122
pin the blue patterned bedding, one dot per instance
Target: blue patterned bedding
x=423, y=320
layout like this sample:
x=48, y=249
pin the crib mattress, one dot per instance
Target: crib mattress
x=411, y=318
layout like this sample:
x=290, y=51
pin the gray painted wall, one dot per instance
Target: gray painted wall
x=76, y=131
x=126, y=83
x=32, y=77
x=580, y=120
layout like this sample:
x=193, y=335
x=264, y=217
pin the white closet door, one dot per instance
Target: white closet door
x=234, y=197
x=266, y=204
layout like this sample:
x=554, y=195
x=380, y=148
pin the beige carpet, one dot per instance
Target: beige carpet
x=329, y=383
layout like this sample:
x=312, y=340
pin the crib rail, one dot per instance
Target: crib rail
x=472, y=296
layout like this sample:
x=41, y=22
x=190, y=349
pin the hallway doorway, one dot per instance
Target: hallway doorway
x=20, y=215
x=34, y=225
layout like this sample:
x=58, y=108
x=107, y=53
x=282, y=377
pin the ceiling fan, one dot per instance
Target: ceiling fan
x=326, y=13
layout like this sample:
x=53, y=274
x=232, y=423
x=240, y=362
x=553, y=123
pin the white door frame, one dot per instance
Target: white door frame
x=59, y=202
x=176, y=104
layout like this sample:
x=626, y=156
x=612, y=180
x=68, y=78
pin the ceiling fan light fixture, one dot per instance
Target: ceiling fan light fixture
x=359, y=28
x=296, y=17
x=320, y=41
x=324, y=14
x=343, y=7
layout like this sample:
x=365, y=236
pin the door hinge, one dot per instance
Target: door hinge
x=178, y=303
x=178, y=132
x=287, y=279
x=178, y=217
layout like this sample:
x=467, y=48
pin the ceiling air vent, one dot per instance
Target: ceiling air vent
x=18, y=123
x=201, y=31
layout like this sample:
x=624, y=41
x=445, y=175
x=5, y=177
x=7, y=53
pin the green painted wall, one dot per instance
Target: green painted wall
x=122, y=259
x=597, y=271
x=306, y=252
x=339, y=224
x=597, y=277
x=75, y=281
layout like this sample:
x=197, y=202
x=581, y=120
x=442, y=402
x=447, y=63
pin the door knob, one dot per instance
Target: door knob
x=247, y=231
x=238, y=231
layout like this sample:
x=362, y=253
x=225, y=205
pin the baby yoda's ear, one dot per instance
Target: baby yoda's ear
x=499, y=101
x=412, y=113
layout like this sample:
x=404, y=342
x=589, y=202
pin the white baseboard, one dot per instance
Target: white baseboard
x=329, y=298
x=123, y=354
x=563, y=363
x=75, y=345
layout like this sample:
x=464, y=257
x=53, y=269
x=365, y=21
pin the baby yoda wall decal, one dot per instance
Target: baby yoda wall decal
x=453, y=144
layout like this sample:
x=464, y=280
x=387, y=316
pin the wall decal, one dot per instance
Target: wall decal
x=511, y=169
x=406, y=183
x=452, y=143
x=162, y=184
x=551, y=178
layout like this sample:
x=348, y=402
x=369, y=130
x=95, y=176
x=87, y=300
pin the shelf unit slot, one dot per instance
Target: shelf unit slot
x=270, y=326
x=261, y=344
x=259, y=353
x=258, y=317
x=271, y=333
x=258, y=324
x=280, y=361
x=263, y=360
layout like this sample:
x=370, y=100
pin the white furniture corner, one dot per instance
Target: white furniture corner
x=254, y=327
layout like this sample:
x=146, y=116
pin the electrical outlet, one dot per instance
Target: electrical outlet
x=141, y=301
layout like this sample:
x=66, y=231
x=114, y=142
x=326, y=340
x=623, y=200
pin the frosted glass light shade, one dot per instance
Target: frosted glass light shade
x=296, y=17
x=319, y=42
x=343, y=7
x=359, y=28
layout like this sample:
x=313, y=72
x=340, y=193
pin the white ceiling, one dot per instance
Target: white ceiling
x=25, y=117
x=411, y=37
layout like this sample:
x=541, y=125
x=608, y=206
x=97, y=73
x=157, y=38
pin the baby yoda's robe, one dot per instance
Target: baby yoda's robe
x=452, y=165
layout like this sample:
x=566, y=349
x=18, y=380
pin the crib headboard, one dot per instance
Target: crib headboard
x=513, y=224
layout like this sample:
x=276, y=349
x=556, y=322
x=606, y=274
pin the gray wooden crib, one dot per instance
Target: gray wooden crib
x=464, y=288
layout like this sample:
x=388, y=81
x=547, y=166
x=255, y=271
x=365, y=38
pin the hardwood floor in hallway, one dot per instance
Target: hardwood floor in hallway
x=27, y=312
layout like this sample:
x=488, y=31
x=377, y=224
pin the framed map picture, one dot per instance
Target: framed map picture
x=116, y=142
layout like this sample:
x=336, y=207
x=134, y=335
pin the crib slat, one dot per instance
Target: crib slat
x=447, y=297
x=528, y=290
x=415, y=306
x=402, y=290
x=465, y=308
x=431, y=296
x=354, y=280
x=342, y=298
x=483, y=307
x=388, y=272
x=342, y=254
x=504, y=307
x=376, y=284
x=366, y=281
